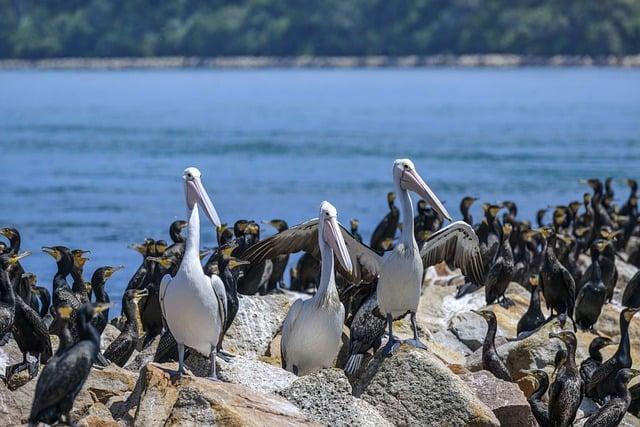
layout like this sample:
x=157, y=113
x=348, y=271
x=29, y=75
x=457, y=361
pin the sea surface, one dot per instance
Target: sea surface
x=94, y=159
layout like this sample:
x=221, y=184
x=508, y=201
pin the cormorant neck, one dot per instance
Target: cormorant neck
x=176, y=236
x=571, y=354
x=133, y=323
x=88, y=332
x=489, y=340
x=6, y=289
x=594, y=353
x=407, y=237
x=543, y=385
x=624, y=348
x=534, y=301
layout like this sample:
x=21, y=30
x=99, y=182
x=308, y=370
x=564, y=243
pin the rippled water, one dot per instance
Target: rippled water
x=94, y=159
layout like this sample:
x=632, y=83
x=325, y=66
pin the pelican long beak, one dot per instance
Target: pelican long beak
x=411, y=180
x=333, y=237
x=196, y=193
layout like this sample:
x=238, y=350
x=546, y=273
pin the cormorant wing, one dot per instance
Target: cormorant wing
x=304, y=237
x=600, y=374
x=287, y=325
x=459, y=244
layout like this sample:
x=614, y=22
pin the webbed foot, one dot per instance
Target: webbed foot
x=391, y=346
x=415, y=342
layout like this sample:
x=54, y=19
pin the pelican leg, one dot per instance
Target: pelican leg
x=416, y=340
x=180, y=360
x=212, y=369
x=393, y=343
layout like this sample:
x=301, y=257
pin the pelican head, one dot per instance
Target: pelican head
x=405, y=174
x=196, y=193
x=331, y=234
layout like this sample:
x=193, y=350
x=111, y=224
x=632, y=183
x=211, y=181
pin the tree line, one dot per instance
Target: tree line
x=116, y=28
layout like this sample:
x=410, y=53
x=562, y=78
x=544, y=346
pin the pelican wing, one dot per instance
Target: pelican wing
x=164, y=283
x=287, y=326
x=221, y=295
x=458, y=244
x=304, y=237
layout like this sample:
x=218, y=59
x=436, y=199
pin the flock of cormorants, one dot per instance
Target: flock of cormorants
x=189, y=297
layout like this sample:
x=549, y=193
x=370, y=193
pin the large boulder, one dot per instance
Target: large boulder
x=469, y=328
x=10, y=412
x=326, y=397
x=258, y=321
x=413, y=387
x=504, y=398
x=195, y=401
x=255, y=374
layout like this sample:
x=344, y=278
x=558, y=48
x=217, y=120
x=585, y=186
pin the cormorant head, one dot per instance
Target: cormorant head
x=608, y=235
x=331, y=233
x=533, y=280
x=142, y=248
x=599, y=343
x=279, y=224
x=9, y=233
x=408, y=179
x=422, y=206
x=79, y=258
x=354, y=224
x=57, y=252
x=632, y=183
x=103, y=274
x=9, y=261
x=196, y=194
x=165, y=261
x=506, y=230
x=391, y=198
x=31, y=279
x=135, y=295
x=239, y=227
x=546, y=232
x=598, y=246
x=486, y=314
x=511, y=207
x=625, y=375
x=586, y=198
x=538, y=374
x=574, y=206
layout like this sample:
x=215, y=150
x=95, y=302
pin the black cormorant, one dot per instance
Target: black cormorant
x=79, y=286
x=465, y=206
x=501, y=271
x=567, y=391
x=354, y=224
x=539, y=407
x=633, y=187
x=367, y=328
x=614, y=410
x=386, y=229
x=533, y=318
x=121, y=349
x=592, y=295
x=602, y=382
x=631, y=295
x=63, y=377
x=98, y=280
x=591, y=363
x=280, y=262
x=7, y=296
x=490, y=359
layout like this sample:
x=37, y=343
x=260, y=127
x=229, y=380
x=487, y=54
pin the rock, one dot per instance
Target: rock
x=10, y=413
x=413, y=387
x=258, y=321
x=109, y=334
x=470, y=329
x=196, y=401
x=255, y=374
x=325, y=397
x=97, y=421
x=449, y=340
x=505, y=399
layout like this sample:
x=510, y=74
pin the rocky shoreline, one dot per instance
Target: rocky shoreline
x=343, y=62
x=442, y=386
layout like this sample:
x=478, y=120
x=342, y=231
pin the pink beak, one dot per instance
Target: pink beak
x=412, y=181
x=196, y=193
x=333, y=237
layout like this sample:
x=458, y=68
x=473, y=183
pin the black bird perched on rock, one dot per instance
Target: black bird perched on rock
x=539, y=407
x=602, y=382
x=7, y=295
x=354, y=223
x=631, y=295
x=490, y=359
x=121, y=349
x=567, y=390
x=612, y=412
x=365, y=333
x=592, y=295
x=79, y=286
x=628, y=206
x=61, y=290
x=63, y=377
x=276, y=280
x=558, y=287
x=386, y=229
x=98, y=280
x=591, y=363
x=534, y=317
x=226, y=265
x=501, y=271
x=64, y=334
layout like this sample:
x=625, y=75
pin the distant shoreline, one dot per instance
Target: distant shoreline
x=342, y=62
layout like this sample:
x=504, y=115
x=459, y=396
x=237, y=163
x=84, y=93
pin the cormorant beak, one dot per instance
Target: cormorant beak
x=109, y=272
x=101, y=307
x=235, y=262
x=634, y=372
x=196, y=193
x=53, y=252
x=88, y=287
x=64, y=312
x=14, y=259
x=163, y=261
x=333, y=237
x=412, y=181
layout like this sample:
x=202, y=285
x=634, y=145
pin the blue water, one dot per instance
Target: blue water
x=94, y=159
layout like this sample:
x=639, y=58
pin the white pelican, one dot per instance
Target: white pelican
x=312, y=329
x=193, y=304
x=401, y=274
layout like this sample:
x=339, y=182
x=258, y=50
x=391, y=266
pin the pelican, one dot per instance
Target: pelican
x=401, y=273
x=312, y=329
x=193, y=304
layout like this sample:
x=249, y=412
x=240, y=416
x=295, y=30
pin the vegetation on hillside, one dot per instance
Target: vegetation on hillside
x=106, y=28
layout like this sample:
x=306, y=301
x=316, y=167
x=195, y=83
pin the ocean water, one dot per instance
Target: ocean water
x=94, y=159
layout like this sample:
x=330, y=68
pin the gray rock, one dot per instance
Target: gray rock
x=413, y=387
x=109, y=334
x=504, y=398
x=470, y=329
x=258, y=321
x=325, y=397
x=449, y=340
x=10, y=413
x=255, y=374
